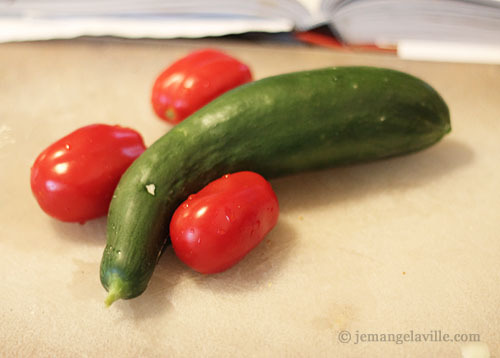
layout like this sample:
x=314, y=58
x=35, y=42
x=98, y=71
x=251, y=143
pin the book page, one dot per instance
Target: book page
x=45, y=19
x=26, y=29
x=313, y=6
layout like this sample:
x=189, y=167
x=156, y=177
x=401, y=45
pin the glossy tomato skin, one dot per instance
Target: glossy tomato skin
x=74, y=178
x=193, y=81
x=215, y=228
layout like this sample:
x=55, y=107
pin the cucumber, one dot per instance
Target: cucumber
x=275, y=126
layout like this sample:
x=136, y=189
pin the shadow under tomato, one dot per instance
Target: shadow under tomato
x=257, y=268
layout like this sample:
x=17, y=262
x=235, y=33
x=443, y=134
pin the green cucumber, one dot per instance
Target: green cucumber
x=275, y=126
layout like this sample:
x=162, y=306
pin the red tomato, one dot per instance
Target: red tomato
x=193, y=81
x=74, y=178
x=215, y=228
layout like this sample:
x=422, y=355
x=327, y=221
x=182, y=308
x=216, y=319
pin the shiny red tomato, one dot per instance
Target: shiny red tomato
x=74, y=178
x=215, y=228
x=193, y=81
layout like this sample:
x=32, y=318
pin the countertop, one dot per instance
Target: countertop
x=405, y=246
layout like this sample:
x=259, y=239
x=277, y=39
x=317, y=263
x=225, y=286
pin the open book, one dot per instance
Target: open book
x=354, y=21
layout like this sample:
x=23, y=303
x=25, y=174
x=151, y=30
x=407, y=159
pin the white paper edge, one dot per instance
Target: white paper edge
x=448, y=51
x=27, y=29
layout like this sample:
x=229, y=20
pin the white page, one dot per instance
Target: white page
x=149, y=18
x=448, y=51
x=37, y=29
x=390, y=21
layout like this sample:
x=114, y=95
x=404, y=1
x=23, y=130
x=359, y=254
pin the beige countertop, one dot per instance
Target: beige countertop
x=409, y=245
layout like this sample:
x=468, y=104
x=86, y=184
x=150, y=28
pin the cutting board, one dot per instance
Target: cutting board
x=406, y=247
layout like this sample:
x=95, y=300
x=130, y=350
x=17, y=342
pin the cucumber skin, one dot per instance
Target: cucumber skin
x=275, y=126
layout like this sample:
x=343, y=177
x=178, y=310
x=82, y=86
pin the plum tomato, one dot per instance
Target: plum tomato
x=218, y=226
x=193, y=81
x=74, y=178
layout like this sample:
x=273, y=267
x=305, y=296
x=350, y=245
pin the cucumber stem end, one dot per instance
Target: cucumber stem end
x=115, y=292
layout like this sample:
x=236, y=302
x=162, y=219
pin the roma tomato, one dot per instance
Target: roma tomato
x=193, y=81
x=74, y=178
x=215, y=228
